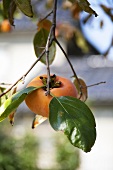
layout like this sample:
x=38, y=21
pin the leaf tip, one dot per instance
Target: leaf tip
x=38, y=120
x=11, y=122
x=96, y=15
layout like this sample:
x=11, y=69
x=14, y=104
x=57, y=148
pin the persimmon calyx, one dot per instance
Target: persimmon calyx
x=53, y=82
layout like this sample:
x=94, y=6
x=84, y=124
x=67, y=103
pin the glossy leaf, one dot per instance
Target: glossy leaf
x=11, y=104
x=75, y=119
x=82, y=93
x=40, y=41
x=25, y=7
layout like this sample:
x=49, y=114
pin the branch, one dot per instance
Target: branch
x=46, y=16
x=75, y=75
x=46, y=50
x=5, y=84
x=47, y=62
x=50, y=40
x=54, y=17
x=7, y=90
x=96, y=84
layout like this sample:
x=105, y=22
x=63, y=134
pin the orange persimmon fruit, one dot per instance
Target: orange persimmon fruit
x=38, y=101
x=5, y=26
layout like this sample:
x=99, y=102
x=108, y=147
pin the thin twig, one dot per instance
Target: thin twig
x=7, y=90
x=54, y=39
x=54, y=17
x=47, y=61
x=75, y=75
x=96, y=84
x=5, y=84
x=50, y=40
x=46, y=16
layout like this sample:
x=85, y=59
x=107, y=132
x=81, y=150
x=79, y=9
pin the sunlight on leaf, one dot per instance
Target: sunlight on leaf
x=75, y=119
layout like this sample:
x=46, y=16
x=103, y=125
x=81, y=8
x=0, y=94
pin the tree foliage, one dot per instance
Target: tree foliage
x=67, y=114
x=14, y=153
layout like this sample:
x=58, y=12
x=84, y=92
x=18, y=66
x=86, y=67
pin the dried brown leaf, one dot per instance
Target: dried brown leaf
x=82, y=89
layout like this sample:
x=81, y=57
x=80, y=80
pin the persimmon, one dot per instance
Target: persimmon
x=38, y=101
x=5, y=26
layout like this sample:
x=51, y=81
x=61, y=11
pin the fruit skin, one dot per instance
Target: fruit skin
x=5, y=26
x=38, y=102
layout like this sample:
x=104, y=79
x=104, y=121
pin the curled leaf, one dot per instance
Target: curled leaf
x=38, y=119
x=82, y=89
x=11, y=117
x=46, y=24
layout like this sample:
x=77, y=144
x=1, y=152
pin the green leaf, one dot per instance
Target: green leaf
x=25, y=7
x=85, y=5
x=14, y=101
x=40, y=41
x=11, y=11
x=6, y=4
x=75, y=119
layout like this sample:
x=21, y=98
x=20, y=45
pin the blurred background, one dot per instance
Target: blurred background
x=90, y=49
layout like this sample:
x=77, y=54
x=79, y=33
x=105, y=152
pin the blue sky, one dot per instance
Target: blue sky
x=100, y=38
